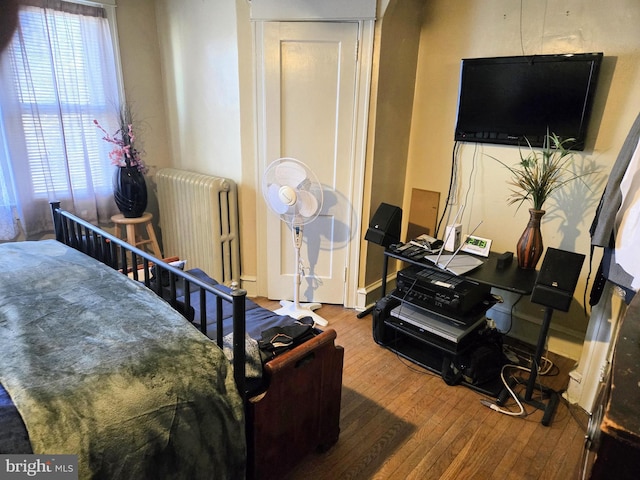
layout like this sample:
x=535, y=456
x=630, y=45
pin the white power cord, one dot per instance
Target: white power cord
x=548, y=365
x=517, y=355
x=496, y=407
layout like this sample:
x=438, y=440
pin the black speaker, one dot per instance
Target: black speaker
x=384, y=228
x=557, y=279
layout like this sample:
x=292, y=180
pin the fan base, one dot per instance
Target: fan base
x=301, y=310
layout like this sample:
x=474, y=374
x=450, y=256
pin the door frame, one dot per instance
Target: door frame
x=356, y=194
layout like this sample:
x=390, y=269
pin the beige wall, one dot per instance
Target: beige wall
x=142, y=76
x=392, y=97
x=471, y=28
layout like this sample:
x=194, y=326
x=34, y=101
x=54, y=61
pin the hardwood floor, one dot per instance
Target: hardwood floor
x=401, y=421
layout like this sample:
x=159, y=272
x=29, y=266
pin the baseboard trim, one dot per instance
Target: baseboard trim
x=250, y=285
x=369, y=295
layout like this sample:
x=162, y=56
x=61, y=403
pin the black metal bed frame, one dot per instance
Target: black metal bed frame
x=112, y=251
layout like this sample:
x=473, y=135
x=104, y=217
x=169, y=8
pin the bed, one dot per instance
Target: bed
x=94, y=363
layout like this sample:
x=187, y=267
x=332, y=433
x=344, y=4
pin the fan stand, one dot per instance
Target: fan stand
x=295, y=309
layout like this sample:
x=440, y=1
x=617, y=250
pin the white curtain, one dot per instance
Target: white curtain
x=8, y=221
x=56, y=77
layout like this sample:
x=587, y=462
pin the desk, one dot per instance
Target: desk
x=510, y=278
x=417, y=348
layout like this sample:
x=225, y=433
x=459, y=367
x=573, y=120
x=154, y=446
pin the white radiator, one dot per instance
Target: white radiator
x=199, y=222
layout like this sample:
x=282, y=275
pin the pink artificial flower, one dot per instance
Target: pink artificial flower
x=123, y=153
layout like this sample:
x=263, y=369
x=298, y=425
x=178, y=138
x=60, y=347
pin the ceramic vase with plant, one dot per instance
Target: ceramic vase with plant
x=534, y=179
x=129, y=186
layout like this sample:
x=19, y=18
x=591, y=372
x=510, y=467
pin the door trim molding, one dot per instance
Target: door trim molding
x=292, y=10
x=363, y=94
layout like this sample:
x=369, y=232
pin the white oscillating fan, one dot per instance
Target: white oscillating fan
x=293, y=192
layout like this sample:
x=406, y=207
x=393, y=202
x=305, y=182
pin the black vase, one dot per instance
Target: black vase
x=130, y=191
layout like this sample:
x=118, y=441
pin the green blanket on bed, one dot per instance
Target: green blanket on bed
x=100, y=367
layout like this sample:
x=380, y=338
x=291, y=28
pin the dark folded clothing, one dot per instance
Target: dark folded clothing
x=276, y=340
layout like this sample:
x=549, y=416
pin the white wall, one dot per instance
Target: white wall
x=199, y=51
x=473, y=28
x=206, y=49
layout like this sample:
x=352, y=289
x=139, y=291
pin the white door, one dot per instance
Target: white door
x=307, y=94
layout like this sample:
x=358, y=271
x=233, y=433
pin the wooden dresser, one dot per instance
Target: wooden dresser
x=613, y=442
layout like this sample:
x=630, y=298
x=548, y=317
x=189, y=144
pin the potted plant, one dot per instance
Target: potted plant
x=534, y=179
x=129, y=186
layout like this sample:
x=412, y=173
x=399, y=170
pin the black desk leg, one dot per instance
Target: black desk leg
x=552, y=401
x=549, y=404
x=542, y=339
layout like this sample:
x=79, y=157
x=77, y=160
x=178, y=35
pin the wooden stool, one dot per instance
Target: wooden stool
x=130, y=226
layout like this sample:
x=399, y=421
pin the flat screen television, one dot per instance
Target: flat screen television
x=509, y=100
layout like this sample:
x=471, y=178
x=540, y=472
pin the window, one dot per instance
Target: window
x=58, y=75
